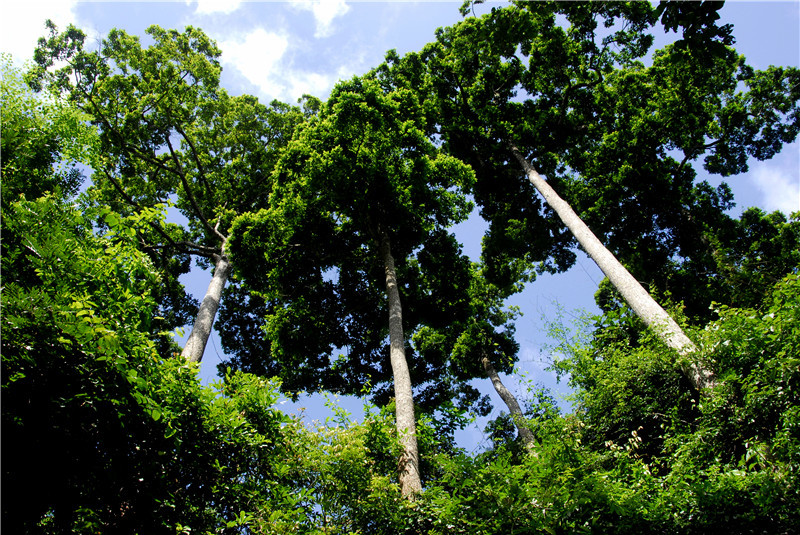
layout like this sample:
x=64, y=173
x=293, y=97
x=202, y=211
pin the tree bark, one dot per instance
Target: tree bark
x=513, y=407
x=201, y=330
x=408, y=465
x=645, y=307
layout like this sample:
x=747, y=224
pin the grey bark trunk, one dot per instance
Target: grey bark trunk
x=640, y=301
x=408, y=465
x=201, y=330
x=511, y=402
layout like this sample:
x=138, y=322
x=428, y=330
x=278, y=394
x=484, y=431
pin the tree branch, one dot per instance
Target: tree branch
x=191, y=196
x=185, y=246
x=201, y=250
x=695, y=151
x=195, y=156
x=158, y=163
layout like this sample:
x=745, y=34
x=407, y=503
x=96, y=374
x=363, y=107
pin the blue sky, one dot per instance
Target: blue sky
x=284, y=49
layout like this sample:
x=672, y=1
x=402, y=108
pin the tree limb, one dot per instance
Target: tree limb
x=191, y=196
x=195, y=156
x=201, y=250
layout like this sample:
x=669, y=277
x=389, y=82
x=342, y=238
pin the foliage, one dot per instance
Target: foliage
x=346, y=472
x=169, y=134
x=99, y=430
x=638, y=455
x=728, y=458
x=104, y=430
x=43, y=141
x=167, y=130
x=316, y=248
x=566, y=82
x=540, y=408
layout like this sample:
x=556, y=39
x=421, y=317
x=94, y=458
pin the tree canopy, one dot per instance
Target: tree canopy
x=615, y=137
x=330, y=228
x=168, y=133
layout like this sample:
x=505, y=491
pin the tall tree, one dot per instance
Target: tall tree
x=516, y=87
x=360, y=196
x=640, y=301
x=170, y=134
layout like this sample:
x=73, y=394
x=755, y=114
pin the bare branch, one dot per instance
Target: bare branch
x=188, y=248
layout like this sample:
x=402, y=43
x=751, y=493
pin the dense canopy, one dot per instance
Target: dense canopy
x=337, y=269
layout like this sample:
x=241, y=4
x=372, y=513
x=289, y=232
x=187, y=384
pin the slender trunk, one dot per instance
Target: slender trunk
x=201, y=330
x=408, y=466
x=513, y=407
x=645, y=307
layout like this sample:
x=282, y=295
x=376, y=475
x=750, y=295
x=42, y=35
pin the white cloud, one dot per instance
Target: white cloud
x=324, y=11
x=260, y=57
x=23, y=24
x=300, y=83
x=206, y=7
x=257, y=57
x=779, y=184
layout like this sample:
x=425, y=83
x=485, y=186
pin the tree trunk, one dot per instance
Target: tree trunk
x=645, y=307
x=408, y=466
x=201, y=330
x=513, y=407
